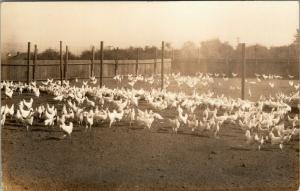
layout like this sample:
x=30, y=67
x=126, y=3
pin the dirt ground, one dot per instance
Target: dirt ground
x=134, y=158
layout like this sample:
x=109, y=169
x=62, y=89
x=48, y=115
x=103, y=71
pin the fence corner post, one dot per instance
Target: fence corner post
x=289, y=60
x=255, y=58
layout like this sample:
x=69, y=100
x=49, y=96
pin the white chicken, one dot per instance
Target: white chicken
x=276, y=140
x=8, y=92
x=67, y=128
x=89, y=119
x=10, y=110
x=114, y=116
x=175, y=124
x=28, y=104
x=254, y=139
x=193, y=124
x=40, y=111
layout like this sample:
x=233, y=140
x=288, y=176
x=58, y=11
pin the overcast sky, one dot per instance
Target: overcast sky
x=123, y=24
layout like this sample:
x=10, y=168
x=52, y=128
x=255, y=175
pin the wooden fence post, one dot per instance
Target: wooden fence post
x=155, y=60
x=92, y=60
x=172, y=59
x=255, y=58
x=243, y=69
x=61, y=60
x=101, y=63
x=172, y=56
x=288, y=60
x=162, y=64
x=34, y=62
x=28, y=61
x=66, y=63
x=116, y=61
x=137, y=61
x=227, y=66
x=198, y=59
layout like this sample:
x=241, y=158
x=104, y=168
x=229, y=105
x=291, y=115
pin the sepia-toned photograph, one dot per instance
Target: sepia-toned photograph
x=150, y=96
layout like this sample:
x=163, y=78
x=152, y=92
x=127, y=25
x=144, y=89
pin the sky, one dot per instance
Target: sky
x=122, y=24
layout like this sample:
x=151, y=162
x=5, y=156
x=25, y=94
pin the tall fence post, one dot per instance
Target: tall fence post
x=34, y=62
x=206, y=69
x=137, y=61
x=255, y=58
x=155, y=60
x=243, y=69
x=162, y=64
x=172, y=59
x=198, y=58
x=288, y=59
x=172, y=56
x=101, y=63
x=61, y=62
x=116, y=61
x=92, y=61
x=227, y=65
x=66, y=63
x=28, y=61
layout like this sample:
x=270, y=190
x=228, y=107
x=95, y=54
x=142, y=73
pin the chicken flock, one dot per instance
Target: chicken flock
x=266, y=121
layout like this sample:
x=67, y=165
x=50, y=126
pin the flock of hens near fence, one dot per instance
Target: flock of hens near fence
x=266, y=121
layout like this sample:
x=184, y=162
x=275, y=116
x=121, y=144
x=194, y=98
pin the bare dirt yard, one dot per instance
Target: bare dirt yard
x=136, y=158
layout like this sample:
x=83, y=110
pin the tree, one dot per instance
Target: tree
x=168, y=46
x=71, y=56
x=215, y=49
x=49, y=54
x=19, y=56
x=188, y=50
x=296, y=38
x=295, y=45
x=86, y=55
x=261, y=51
x=279, y=52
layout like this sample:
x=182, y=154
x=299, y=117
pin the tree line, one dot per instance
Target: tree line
x=213, y=48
